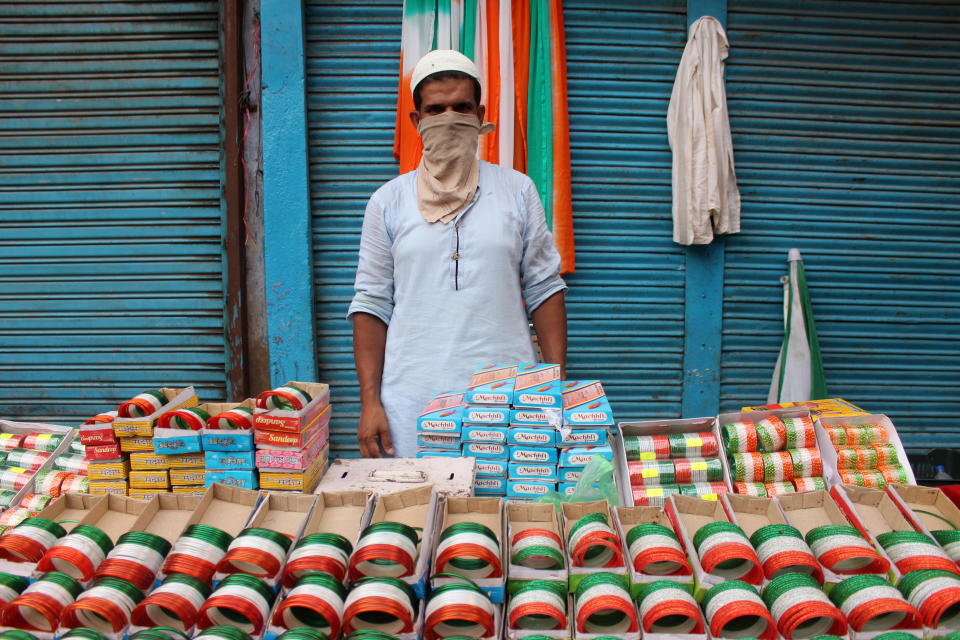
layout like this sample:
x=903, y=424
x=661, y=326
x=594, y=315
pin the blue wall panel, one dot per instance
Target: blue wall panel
x=111, y=258
x=846, y=131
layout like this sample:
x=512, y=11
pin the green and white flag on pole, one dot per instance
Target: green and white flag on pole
x=798, y=375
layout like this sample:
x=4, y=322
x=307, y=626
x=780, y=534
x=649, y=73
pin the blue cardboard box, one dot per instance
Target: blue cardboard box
x=489, y=416
x=536, y=417
x=437, y=441
x=577, y=436
x=229, y=459
x=443, y=414
x=491, y=384
x=532, y=471
x=538, y=385
x=485, y=450
x=542, y=455
x=221, y=440
x=489, y=486
x=244, y=478
x=530, y=437
x=529, y=488
x=569, y=474
x=491, y=468
x=580, y=456
x=585, y=404
x=438, y=453
x=170, y=441
x=472, y=433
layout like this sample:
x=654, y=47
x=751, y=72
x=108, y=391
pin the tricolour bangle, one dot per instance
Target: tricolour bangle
x=915, y=551
x=593, y=543
x=106, y=606
x=175, y=603
x=843, y=550
x=221, y=632
x=724, y=551
x=79, y=553
x=137, y=558
x=197, y=552
x=189, y=419
x=538, y=605
x=796, y=602
x=935, y=594
x=655, y=550
x=734, y=609
x=781, y=549
x=666, y=607
x=603, y=605
x=142, y=405
x=459, y=608
x=318, y=552
x=469, y=549
x=38, y=608
x=316, y=601
x=536, y=548
x=380, y=604
x=257, y=551
x=385, y=550
x=240, y=600
x=870, y=603
x=949, y=539
x=29, y=540
x=232, y=419
x=288, y=397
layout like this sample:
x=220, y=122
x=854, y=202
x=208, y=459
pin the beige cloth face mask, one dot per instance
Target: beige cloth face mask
x=449, y=171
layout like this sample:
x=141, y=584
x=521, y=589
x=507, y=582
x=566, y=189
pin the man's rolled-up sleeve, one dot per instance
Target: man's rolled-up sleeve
x=540, y=265
x=373, y=287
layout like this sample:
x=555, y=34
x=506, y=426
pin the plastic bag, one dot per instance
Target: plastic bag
x=597, y=482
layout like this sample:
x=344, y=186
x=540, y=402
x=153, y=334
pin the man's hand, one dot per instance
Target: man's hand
x=373, y=432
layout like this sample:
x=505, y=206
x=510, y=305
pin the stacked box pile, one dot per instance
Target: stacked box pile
x=228, y=449
x=530, y=432
x=772, y=454
x=662, y=465
x=292, y=436
x=34, y=467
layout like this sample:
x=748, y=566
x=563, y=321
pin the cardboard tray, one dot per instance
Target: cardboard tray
x=573, y=511
x=629, y=517
x=488, y=511
x=417, y=508
x=829, y=453
x=532, y=515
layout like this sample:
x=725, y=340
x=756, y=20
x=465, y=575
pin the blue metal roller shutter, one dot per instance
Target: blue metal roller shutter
x=111, y=259
x=625, y=303
x=846, y=132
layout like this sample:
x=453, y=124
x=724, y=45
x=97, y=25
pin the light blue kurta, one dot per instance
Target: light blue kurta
x=445, y=316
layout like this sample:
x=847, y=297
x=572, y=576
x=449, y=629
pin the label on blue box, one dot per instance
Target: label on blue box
x=581, y=436
x=538, y=385
x=569, y=474
x=229, y=459
x=490, y=484
x=545, y=437
x=491, y=384
x=566, y=488
x=443, y=414
x=473, y=433
x=438, y=453
x=170, y=441
x=244, y=478
x=524, y=470
x=529, y=488
x=487, y=467
x=533, y=454
x=580, y=456
x=222, y=440
x=437, y=441
x=485, y=450
x=492, y=416
x=536, y=418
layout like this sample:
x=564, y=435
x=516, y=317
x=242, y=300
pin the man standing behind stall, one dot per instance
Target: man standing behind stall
x=453, y=255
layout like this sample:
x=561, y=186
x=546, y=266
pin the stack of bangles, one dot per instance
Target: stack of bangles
x=39, y=607
x=175, y=603
x=158, y=633
x=305, y=633
x=78, y=553
x=318, y=552
x=241, y=600
x=197, y=552
x=666, y=607
x=538, y=605
x=913, y=551
x=288, y=397
x=232, y=419
x=458, y=608
x=106, y=606
x=603, y=605
x=870, y=603
x=734, y=609
x=137, y=557
x=724, y=551
x=935, y=594
x=798, y=605
x=781, y=549
x=189, y=418
x=380, y=604
x=257, y=551
x=221, y=632
x=949, y=539
x=142, y=405
x=11, y=586
x=535, y=549
x=29, y=540
x=655, y=550
x=593, y=543
x=469, y=549
x=843, y=550
x=385, y=550
x=316, y=601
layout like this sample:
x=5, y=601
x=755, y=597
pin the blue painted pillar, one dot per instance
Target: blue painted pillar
x=287, y=255
x=703, y=295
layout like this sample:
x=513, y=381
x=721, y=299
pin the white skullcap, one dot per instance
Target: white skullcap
x=442, y=60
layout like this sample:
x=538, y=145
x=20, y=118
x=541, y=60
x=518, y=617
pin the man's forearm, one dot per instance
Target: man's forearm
x=550, y=323
x=369, y=344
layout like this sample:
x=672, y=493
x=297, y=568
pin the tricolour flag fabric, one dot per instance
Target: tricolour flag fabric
x=520, y=51
x=798, y=375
